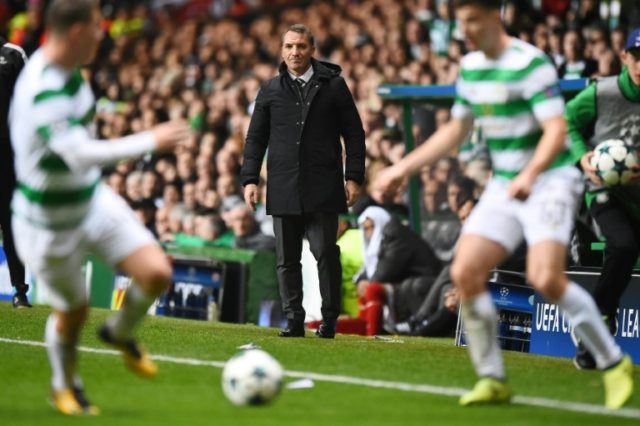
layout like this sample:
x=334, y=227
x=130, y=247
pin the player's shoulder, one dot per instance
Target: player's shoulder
x=39, y=75
x=526, y=55
x=473, y=60
x=518, y=55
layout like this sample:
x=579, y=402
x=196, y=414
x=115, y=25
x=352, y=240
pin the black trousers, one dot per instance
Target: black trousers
x=7, y=184
x=622, y=234
x=321, y=231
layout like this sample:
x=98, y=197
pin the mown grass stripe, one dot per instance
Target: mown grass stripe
x=577, y=407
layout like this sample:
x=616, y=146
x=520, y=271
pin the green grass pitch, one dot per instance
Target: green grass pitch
x=191, y=394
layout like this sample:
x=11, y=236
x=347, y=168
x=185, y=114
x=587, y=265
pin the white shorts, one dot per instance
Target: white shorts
x=547, y=214
x=110, y=231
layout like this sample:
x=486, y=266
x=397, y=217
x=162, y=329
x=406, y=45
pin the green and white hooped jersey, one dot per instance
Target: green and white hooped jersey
x=50, y=116
x=509, y=97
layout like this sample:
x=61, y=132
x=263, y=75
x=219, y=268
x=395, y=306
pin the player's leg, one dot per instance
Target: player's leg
x=619, y=230
x=61, y=277
x=491, y=231
x=548, y=217
x=115, y=235
x=475, y=257
x=61, y=335
x=545, y=270
x=151, y=273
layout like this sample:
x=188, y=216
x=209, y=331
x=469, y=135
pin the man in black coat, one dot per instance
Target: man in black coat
x=12, y=60
x=300, y=115
x=400, y=259
x=403, y=253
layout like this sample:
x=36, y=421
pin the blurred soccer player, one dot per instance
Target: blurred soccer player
x=511, y=88
x=61, y=208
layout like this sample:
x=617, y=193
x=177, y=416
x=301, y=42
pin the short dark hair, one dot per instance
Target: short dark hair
x=301, y=29
x=467, y=188
x=486, y=4
x=63, y=14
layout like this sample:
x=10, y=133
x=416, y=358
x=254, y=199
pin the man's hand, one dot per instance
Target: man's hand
x=352, y=190
x=635, y=177
x=389, y=180
x=168, y=135
x=452, y=299
x=251, y=195
x=585, y=163
x=521, y=186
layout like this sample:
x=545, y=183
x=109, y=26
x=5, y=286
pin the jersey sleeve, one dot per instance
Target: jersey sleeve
x=461, y=106
x=73, y=143
x=542, y=90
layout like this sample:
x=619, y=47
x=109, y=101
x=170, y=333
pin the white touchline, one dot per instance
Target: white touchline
x=578, y=407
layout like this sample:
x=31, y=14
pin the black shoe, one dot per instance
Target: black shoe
x=294, y=329
x=327, y=330
x=583, y=359
x=20, y=299
x=133, y=354
x=87, y=407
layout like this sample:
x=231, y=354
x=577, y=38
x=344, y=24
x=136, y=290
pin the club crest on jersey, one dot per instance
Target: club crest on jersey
x=487, y=109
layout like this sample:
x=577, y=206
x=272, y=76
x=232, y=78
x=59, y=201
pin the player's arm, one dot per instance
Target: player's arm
x=552, y=142
x=550, y=145
x=443, y=141
x=80, y=151
x=544, y=95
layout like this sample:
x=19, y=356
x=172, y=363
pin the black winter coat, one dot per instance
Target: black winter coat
x=404, y=254
x=11, y=63
x=304, y=159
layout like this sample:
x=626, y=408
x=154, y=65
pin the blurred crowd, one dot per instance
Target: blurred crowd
x=204, y=61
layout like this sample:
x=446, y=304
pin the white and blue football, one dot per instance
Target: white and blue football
x=613, y=160
x=252, y=377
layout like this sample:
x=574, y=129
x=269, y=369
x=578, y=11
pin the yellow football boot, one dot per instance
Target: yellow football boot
x=134, y=356
x=618, y=383
x=487, y=391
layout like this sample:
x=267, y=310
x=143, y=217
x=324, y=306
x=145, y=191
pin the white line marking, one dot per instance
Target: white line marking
x=577, y=407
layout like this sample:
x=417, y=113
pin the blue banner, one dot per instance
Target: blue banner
x=6, y=291
x=512, y=297
x=207, y=275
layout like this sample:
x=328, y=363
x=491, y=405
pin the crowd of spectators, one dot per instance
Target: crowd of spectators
x=184, y=59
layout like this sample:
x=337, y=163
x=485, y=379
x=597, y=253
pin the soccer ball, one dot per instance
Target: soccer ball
x=613, y=160
x=252, y=377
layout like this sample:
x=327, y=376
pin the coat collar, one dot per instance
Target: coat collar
x=321, y=70
x=306, y=76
